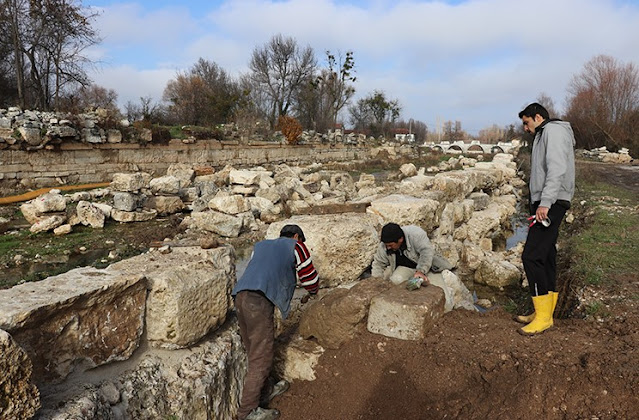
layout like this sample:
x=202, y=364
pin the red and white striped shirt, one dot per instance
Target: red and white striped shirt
x=306, y=273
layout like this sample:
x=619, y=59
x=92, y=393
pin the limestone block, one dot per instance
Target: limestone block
x=260, y=205
x=125, y=201
x=184, y=172
x=129, y=182
x=104, y=208
x=31, y=135
x=48, y=223
x=220, y=223
x=20, y=398
x=342, y=245
x=62, y=230
x=76, y=320
x=496, y=273
x=336, y=317
x=480, y=200
x=133, y=216
x=408, y=169
x=407, y=210
x=166, y=204
x=165, y=185
x=189, y=194
x=416, y=185
x=79, y=196
x=5, y=123
x=90, y=215
x=458, y=292
x=113, y=136
x=189, y=292
x=274, y=194
x=245, y=191
x=232, y=204
x=244, y=177
x=204, y=382
x=30, y=213
x=297, y=360
x=49, y=202
x=365, y=180
x=404, y=314
x=93, y=135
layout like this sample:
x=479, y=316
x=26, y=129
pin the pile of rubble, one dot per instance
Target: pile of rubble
x=602, y=153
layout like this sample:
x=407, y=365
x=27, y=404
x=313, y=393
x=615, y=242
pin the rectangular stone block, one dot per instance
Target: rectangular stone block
x=189, y=292
x=405, y=314
x=76, y=320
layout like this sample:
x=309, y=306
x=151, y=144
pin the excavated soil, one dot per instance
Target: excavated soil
x=476, y=366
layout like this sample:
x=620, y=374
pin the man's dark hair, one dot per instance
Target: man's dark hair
x=288, y=231
x=391, y=232
x=534, y=109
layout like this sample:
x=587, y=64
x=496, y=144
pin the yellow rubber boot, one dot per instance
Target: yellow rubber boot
x=525, y=319
x=543, y=317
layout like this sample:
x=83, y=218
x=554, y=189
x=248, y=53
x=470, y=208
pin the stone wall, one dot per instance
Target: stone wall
x=78, y=163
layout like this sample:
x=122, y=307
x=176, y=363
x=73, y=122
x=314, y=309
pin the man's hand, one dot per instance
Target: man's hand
x=541, y=214
x=423, y=277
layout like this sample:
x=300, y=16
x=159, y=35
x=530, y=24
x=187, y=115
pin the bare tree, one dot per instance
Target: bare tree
x=375, y=113
x=47, y=40
x=204, y=95
x=89, y=97
x=278, y=69
x=603, y=104
x=547, y=102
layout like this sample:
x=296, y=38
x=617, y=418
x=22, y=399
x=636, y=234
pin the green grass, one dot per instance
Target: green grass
x=607, y=241
x=597, y=309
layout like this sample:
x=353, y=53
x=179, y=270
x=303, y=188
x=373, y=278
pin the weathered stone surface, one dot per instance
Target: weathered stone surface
x=129, y=182
x=184, y=172
x=232, y=204
x=90, y=215
x=62, y=230
x=480, y=200
x=202, y=383
x=47, y=223
x=30, y=213
x=114, y=136
x=244, y=177
x=497, y=273
x=49, y=202
x=407, y=210
x=336, y=317
x=220, y=223
x=189, y=292
x=297, y=360
x=133, y=216
x=342, y=245
x=76, y=320
x=165, y=185
x=19, y=397
x=408, y=169
x=404, y=314
x=125, y=201
x=31, y=135
x=166, y=204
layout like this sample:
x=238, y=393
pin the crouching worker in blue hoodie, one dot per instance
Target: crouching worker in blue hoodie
x=275, y=268
x=552, y=186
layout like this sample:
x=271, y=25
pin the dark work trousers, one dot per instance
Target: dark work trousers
x=255, y=318
x=540, y=252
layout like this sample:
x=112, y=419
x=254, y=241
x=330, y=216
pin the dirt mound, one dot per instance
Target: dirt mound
x=476, y=366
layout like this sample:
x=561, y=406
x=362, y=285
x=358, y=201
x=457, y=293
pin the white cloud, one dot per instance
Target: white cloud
x=478, y=61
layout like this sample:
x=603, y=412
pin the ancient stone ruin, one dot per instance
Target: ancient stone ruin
x=160, y=326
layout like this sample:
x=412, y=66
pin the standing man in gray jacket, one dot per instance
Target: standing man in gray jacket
x=552, y=186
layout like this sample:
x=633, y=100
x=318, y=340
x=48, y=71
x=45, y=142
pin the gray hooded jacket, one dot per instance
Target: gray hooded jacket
x=552, y=164
x=418, y=249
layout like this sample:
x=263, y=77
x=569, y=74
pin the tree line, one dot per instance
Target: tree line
x=43, y=66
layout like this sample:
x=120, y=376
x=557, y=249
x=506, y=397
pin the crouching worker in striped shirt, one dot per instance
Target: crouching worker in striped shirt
x=269, y=280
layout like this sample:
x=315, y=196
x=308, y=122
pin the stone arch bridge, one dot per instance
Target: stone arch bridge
x=473, y=147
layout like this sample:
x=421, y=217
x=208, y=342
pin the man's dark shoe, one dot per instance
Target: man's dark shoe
x=263, y=414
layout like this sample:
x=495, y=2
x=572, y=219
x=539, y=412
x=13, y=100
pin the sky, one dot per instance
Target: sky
x=477, y=61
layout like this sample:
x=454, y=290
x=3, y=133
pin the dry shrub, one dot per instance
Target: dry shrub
x=290, y=128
